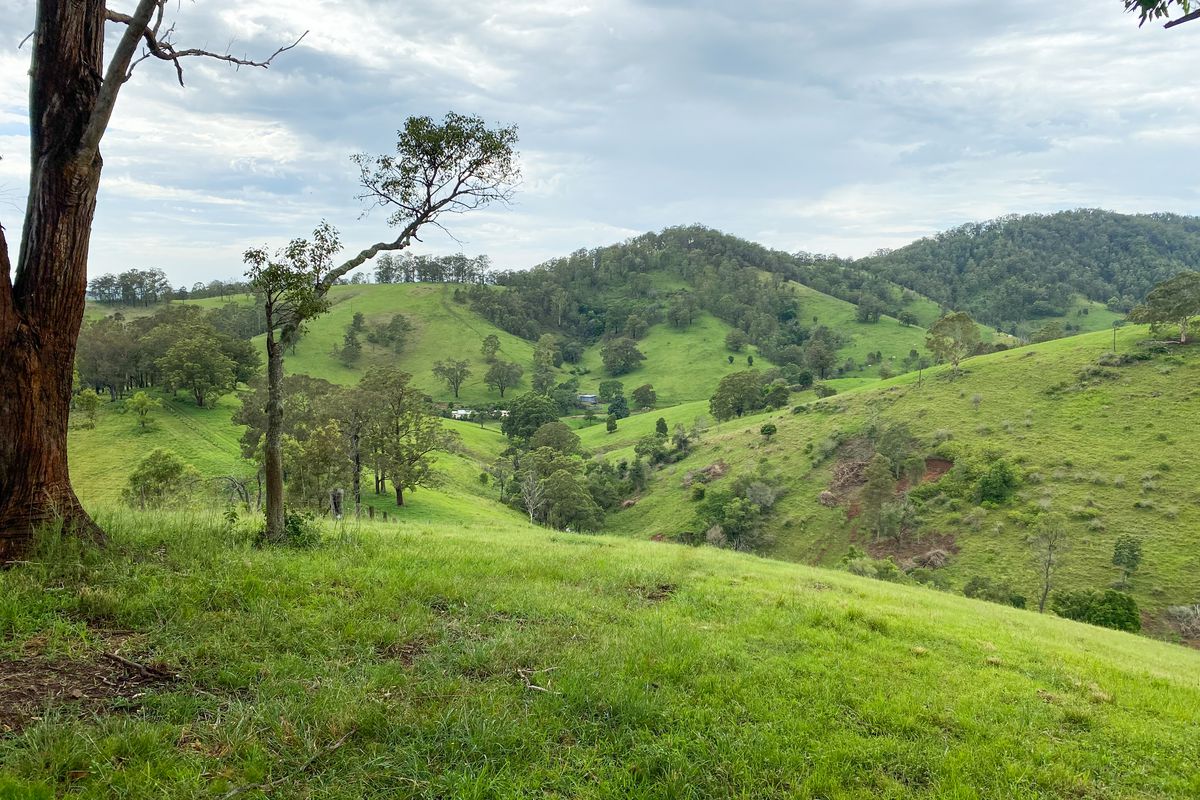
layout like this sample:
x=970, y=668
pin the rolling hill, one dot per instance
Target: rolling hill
x=498, y=660
x=1108, y=447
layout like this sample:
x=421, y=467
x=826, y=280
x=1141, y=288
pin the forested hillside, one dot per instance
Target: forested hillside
x=1011, y=271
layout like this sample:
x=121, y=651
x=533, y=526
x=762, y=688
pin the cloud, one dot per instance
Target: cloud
x=794, y=126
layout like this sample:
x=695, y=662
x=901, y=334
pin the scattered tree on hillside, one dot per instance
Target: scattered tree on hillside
x=546, y=358
x=736, y=340
x=681, y=309
x=621, y=356
x=610, y=424
x=557, y=436
x=610, y=389
x=1127, y=554
x=87, y=403
x=160, y=479
x=1172, y=302
x=952, y=338
x=768, y=430
x=196, y=365
x=405, y=433
x=351, y=348
x=660, y=426
x=644, y=396
x=879, y=490
x=452, y=167
x=1108, y=609
x=393, y=334
x=868, y=309
x=454, y=373
x=820, y=357
x=72, y=96
x=738, y=393
x=528, y=413
x=1049, y=546
x=491, y=346
x=353, y=411
x=502, y=375
x=143, y=405
x=619, y=407
x=908, y=319
x=776, y=395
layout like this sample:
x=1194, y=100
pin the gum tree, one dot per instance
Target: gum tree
x=73, y=91
x=453, y=166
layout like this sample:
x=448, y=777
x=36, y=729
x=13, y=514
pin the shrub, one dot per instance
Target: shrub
x=1108, y=609
x=300, y=530
x=822, y=390
x=698, y=491
x=997, y=484
x=768, y=430
x=982, y=587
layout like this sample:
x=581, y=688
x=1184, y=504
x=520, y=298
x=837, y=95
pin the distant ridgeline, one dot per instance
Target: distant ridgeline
x=1019, y=268
x=1007, y=273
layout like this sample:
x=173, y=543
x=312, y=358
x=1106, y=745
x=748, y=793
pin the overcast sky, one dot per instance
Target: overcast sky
x=831, y=127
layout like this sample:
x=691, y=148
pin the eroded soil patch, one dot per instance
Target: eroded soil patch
x=99, y=684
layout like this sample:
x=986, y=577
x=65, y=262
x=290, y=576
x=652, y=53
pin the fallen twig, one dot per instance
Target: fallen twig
x=141, y=669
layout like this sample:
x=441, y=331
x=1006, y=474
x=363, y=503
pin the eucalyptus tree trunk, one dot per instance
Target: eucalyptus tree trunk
x=42, y=309
x=273, y=448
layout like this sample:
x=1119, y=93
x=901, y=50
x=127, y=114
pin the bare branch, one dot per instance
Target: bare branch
x=162, y=48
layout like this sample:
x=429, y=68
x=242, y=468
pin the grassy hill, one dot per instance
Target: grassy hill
x=683, y=365
x=502, y=661
x=102, y=459
x=1110, y=447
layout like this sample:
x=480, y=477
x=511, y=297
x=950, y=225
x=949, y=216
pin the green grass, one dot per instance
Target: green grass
x=102, y=458
x=1096, y=318
x=667, y=672
x=681, y=364
x=1093, y=451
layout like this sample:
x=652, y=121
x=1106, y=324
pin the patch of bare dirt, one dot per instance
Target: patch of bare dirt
x=935, y=468
x=97, y=684
x=407, y=652
x=709, y=473
x=906, y=549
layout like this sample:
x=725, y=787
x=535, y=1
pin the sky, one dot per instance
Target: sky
x=824, y=127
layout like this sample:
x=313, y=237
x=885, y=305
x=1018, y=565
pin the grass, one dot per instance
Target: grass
x=102, y=458
x=681, y=364
x=1112, y=453
x=503, y=661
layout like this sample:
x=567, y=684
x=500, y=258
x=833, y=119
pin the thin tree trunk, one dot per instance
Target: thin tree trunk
x=42, y=309
x=356, y=456
x=273, y=453
x=399, y=494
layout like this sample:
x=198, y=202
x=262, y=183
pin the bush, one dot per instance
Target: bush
x=1108, y=609
x=981, y=587
x=768, y=430
x=822, y=390
x=300, y=530
x=997, y=484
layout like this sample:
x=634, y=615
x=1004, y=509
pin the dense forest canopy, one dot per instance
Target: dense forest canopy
x=1018, y=268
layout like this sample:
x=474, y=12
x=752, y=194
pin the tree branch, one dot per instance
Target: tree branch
x=114, y=77
x=120, y=68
